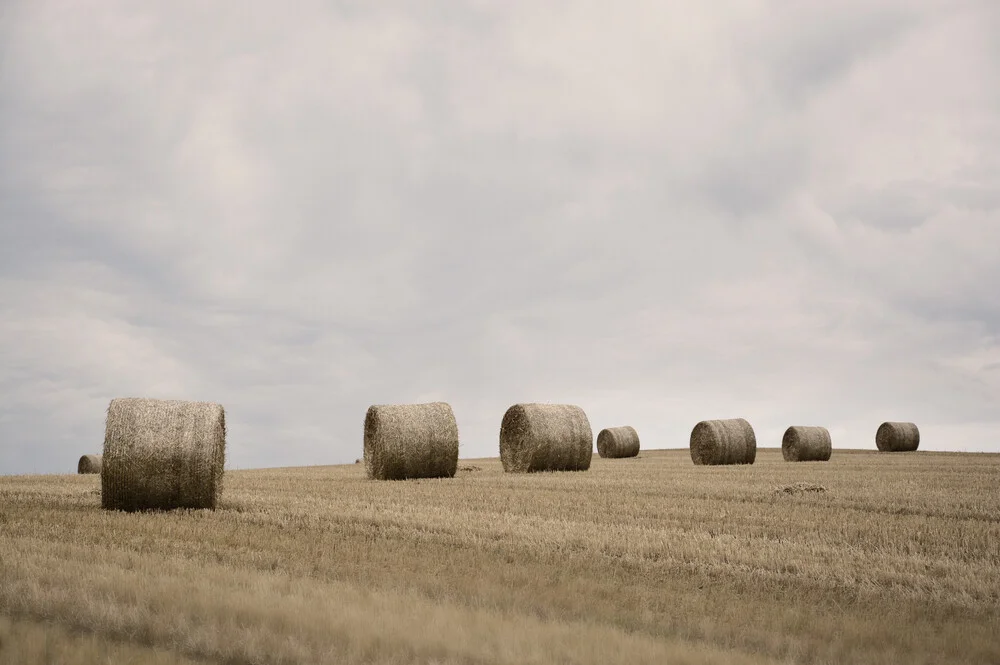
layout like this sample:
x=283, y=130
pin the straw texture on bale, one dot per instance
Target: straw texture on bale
x=162, y=454
x=806, y=444
x=897, y=437
x=617, y=442
x=545, y=437
x=411, y=441
x=723, y=442
x=89, y=464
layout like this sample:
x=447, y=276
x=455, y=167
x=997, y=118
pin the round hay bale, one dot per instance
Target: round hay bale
x=806, y=444
x=897, y=437
x=162, y=454
x=723, y=442
x=545, y=437
x=615, y=442
x=410, y=441
x=89, y=464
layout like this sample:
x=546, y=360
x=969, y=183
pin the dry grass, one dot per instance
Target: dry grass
x=24, y=641
x=89, y=464
x=410, y=441
x=162, y=454
x=653, y=561
x=545, y=437
x=723, y=442
x=897, y=437
x=618, y=442
x=806, y=444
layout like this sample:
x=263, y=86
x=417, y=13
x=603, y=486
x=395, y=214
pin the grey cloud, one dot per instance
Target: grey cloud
x=903, y=205
x=299, y=215
x=825, y=43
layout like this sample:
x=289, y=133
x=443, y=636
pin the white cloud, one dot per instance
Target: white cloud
x=785, y=211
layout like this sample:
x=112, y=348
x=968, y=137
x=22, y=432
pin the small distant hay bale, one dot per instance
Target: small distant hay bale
x=723, y=442
x=89, y=464
x=162, y=454
x=897, y=437
x=617, y=442
x=806, y=444
x=411, y=441
x=545, y=437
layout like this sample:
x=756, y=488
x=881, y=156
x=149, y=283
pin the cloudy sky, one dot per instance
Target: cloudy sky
x=663, y=212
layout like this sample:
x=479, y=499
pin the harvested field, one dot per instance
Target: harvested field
x=867, y=558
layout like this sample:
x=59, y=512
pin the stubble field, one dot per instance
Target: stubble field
x=869, y=558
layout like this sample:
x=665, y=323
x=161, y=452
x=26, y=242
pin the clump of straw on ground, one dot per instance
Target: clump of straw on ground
x=800, y=488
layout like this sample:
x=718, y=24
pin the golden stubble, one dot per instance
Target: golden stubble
x=648, y=559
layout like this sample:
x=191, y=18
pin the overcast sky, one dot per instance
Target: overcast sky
x=781, y=210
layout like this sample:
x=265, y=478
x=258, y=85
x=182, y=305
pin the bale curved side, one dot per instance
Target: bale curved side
x=617, y=442
x=89, y=464
x=893, y=437
x=162, y=454
x=545, y=437
x=806, y=444
x=723, y=442
x=410, y=441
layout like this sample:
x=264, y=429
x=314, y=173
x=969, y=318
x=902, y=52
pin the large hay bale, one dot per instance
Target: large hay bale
x=615, y=442
x=545, y=437
x=897, y=437
x=89, y=464
x=411, y=441
x=162, y=454
x=723, y=442
x=806, y=444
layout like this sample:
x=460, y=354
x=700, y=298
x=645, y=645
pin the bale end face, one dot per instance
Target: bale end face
x=618, y=442
x=410, y=441
x=545, y=437
x=723, y=442
x=162, y=455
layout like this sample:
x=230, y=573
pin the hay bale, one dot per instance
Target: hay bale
x=723, y=442
x=545, y=437
x=411, y=441
x=162, y=454
x=806, y=444
x=615, y=442
x=89, y=464
x=897, y=437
